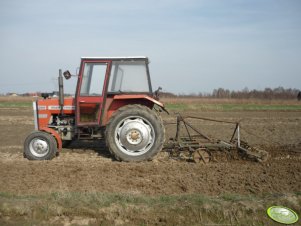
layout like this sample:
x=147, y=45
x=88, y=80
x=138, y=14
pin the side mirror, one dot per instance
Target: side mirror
x=67, y=74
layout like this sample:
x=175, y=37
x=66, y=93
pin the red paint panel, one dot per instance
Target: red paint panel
x=118, y=101
x=138, y=96
x=48, y=107
x=56, y=136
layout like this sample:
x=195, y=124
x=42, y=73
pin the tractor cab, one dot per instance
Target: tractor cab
x=106, y=77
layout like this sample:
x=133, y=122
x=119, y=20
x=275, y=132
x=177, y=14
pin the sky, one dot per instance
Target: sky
x=193, y=45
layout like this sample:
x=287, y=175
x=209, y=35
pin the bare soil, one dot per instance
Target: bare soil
x=88, y=166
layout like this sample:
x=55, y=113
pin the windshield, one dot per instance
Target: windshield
x=129, y=76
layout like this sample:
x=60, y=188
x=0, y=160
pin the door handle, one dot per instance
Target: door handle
x=82, y=101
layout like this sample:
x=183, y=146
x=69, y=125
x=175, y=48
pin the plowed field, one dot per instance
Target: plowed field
x=88, y=167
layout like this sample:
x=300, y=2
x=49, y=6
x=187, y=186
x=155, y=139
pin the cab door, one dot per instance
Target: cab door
x=91, y=89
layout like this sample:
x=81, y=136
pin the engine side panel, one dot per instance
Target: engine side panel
x=49, y=107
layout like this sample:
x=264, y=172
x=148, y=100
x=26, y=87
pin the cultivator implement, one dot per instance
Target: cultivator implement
x=196, y=146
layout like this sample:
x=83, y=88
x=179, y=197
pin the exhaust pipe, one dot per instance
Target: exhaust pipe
x=61, y=91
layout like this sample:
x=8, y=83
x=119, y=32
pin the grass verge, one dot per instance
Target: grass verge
x=184, y=104
x=232, y=107
x=15, y=104
x=77, y=208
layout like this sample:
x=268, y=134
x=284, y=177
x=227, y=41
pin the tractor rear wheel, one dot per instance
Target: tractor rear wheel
x=40, y=146
x=135, y=133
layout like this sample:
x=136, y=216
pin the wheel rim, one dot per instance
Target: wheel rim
x=39, y=147
x=134, y=136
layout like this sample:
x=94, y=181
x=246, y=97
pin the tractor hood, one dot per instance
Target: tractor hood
x=53, y=105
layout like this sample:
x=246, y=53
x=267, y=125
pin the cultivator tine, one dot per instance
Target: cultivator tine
x=253, y=153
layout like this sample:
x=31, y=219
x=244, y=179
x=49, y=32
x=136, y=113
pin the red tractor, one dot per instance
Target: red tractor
x=113, y=100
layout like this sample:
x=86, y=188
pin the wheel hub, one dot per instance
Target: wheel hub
x=39, y=147
x=134, y=136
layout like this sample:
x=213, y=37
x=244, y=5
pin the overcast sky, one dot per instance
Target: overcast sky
x=193, y=45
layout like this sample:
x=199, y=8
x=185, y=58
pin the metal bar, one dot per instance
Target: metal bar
x=208, y=119
x=61, y=91
x=196, y=130
x=178, y=128
x=180, y=118
x=207, y=145
x=237, y=125
x=35, y=115
x=250, y=153
x=238, y=136
x=186, y=129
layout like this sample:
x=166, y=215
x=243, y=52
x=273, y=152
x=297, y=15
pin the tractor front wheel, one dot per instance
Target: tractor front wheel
x=40, y=146
x=135, y=133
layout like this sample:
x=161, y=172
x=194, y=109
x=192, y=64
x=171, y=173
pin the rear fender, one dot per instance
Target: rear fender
x=118, y=101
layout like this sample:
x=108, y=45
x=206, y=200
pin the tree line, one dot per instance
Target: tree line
x=267, y=93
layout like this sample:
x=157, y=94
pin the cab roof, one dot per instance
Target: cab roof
x=116, y=58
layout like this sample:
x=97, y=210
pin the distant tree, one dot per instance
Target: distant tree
x=267, y=94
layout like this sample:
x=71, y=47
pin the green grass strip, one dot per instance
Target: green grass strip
x=232, y=107
x=15, y=104
x=105, y=209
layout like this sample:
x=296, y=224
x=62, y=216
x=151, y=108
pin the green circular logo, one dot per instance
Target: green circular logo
x=282, y=214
